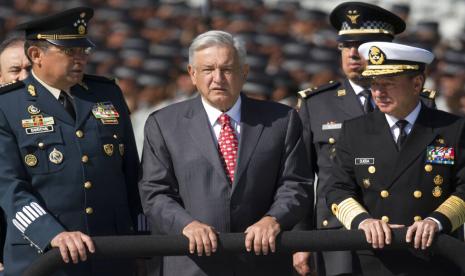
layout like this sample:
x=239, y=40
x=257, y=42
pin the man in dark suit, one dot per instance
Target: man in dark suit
x=224, y=163
x=323, y=111
x=68, y=164
x=402, y=165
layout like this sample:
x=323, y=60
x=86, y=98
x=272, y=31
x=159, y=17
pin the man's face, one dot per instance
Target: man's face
x=396, y=95
x=218, y=75
x=14, y=64
x=62, y=67
x=352, y=63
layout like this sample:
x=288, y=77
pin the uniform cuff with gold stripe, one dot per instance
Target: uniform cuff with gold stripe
x=349, y=212
x=454, y=210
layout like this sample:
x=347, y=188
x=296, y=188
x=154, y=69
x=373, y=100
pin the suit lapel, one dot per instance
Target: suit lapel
x=251, y=129
x=421, y=135
x=199, y=129
x=349, y=103
x=83, y=102
x=47, y=103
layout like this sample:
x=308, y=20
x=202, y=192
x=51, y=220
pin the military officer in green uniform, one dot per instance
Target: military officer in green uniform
x=400, y=166
x=323, y=111
x=68, y=160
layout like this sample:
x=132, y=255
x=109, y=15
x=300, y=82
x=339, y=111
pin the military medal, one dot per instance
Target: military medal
x=30, y=160
x=33, y=110
x=108, y=148
x=440, y=155
x=56, y=157
x=106, y=112
x=38, y=124
x=366, y=183
x=437, y=191
x=438, y=180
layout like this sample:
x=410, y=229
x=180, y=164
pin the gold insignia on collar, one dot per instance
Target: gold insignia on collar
x=376, y=56
x=353, y=15
x=341, y=92
x=32, y=90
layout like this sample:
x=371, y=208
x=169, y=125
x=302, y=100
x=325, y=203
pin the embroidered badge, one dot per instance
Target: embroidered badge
x=331, y=126
x=440, y=155
x=364, y=161
x=106, y=112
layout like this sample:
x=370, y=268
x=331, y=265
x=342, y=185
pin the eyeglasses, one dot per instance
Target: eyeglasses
x=74, y=51
x=349, y=44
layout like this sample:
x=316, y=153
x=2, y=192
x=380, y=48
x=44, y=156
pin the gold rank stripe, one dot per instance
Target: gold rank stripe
x=454, y=209
x=365, y=31
x=60, y=37
x=347, y=210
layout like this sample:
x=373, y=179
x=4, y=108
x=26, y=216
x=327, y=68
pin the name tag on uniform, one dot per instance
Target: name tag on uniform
x=331, y=126
x=106, y=112
x=440, y=155
x=364, y=161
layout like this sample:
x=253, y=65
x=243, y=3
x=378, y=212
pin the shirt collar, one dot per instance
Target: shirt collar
x=55, y=91
x=357, y=88
x=411, y=118
x=234, y=112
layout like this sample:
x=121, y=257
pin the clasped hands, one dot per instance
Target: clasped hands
x=260, y=237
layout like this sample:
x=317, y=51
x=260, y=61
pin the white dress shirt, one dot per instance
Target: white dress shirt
x=358, y=89
x=411, y=118
x=213, y=114
x=55, y=91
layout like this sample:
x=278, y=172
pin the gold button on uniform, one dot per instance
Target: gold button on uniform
x=87, y=184
x=428, y=168
x=417, y=218
x=384, y=193
x=371, y=169
x=417, y=194
x=41, y=145
x=385, y=219
x=79, y=134
x=325, y=223
x=89, y=210
x=85, y=159
x=332, y=140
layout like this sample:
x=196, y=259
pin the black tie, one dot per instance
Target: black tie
x=367, y=106
x=401, y=124
x=67, y=103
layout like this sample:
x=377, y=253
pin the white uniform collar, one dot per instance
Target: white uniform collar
x=411, y=117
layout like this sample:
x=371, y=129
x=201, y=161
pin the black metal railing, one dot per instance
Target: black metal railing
x=171, y=245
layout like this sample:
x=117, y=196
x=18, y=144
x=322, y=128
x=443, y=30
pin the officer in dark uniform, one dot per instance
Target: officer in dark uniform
x=401, y=165
x=68, y=164
x=323, y=111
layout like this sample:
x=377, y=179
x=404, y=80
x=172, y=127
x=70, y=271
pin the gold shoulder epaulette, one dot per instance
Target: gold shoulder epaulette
x=428, y=93
x=316, y=90
x=8, y=87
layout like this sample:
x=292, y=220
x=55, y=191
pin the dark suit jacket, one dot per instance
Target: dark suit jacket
x=44, y=198
x=402, y=175
x=183, y=180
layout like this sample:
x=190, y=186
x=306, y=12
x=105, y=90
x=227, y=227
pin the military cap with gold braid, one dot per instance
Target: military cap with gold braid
x=387, y=58
x=67, y=28
x=357, y=21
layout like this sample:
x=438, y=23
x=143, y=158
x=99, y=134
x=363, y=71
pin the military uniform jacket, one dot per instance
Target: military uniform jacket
x=401, y=187
x=57, y=174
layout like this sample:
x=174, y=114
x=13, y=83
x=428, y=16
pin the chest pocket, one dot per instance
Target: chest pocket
x=112, y=140
x=43, y=153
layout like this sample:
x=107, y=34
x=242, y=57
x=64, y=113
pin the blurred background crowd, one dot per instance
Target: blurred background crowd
x=144, y=44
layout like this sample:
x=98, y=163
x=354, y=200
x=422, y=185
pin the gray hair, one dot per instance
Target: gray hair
x=215, y=38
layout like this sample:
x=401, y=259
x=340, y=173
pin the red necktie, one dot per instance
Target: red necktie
x=227, y=145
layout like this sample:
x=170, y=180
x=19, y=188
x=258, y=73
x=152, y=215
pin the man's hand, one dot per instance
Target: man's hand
x=73, y=244
x=301, y=263
x=202, y=237
x=378, y=232
x=424, y=231
x=262, y=235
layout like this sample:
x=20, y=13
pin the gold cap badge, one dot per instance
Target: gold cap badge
x=376, y=56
